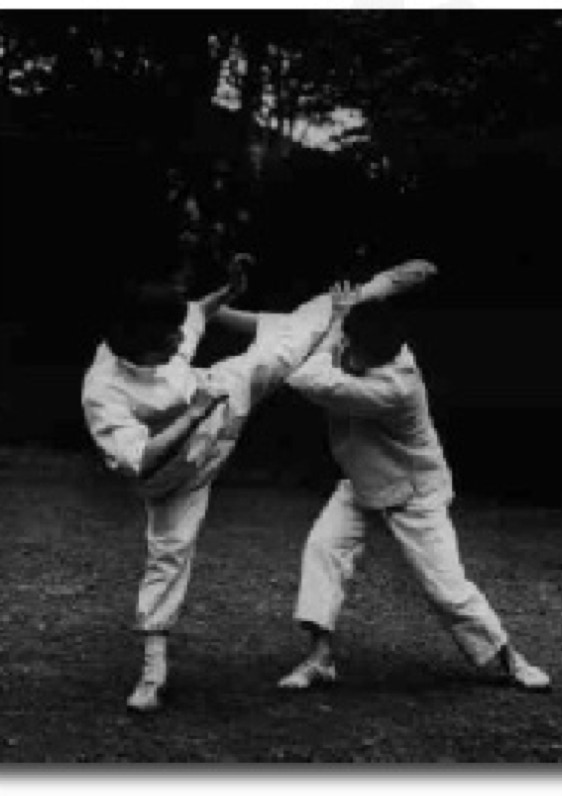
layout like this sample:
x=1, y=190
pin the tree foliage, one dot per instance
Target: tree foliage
x=416, y=80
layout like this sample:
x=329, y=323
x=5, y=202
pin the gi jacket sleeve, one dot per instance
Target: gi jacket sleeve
x=329, y=386
x=192, y=329
x=117, y=433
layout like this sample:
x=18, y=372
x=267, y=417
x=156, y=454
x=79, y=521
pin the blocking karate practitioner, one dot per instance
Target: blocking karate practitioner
x=171, y=426
x=383, y=438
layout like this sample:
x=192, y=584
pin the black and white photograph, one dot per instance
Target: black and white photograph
x=280, y=403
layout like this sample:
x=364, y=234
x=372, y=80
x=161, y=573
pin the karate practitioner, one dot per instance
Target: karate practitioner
x=383, y=438
x=172, y=426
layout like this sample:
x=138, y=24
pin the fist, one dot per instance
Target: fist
x=237, y=272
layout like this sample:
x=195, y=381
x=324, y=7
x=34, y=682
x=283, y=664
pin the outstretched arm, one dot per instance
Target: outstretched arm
x=244, y=321
x=209, y=307
x=213, y=304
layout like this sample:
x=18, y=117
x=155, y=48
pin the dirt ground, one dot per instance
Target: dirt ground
x=71, y=555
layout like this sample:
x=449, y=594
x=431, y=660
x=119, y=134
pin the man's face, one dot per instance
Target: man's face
x=162, y=346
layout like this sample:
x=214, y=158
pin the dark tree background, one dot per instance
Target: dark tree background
x=456, y=156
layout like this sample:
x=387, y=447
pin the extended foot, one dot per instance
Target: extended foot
x=308, y=673
x=521, y=673
x=146, y=697
x=396, y=280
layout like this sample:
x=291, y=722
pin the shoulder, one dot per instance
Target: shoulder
x=101, y=380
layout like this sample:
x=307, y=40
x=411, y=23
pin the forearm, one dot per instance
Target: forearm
x=212, y=302
x=166, y=443
x=237, y=284
x=327, y=385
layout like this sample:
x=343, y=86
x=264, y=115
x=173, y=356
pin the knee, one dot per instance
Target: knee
x=324, y=550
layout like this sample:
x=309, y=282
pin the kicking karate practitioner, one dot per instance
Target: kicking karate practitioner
x=172, y=426
x=384, y=440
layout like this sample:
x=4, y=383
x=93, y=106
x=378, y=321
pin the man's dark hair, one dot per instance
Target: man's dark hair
x=141, y=317
x=375, y=330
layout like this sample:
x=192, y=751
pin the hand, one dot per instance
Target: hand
x=167, y=417
x=213, y=402
x=238, y=278
x=344, y=297
x=207, y=397
x=208, y=404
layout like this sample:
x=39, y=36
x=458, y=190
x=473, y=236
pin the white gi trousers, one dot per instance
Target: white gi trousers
x=427, y=539
x=175, y=518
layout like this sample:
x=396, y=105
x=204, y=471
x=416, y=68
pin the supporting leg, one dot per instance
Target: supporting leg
x=173, y=527
x=332, y=549
x=428, y=540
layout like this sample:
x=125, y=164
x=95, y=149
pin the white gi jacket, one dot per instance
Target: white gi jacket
x=124, y=404
x=381, y=431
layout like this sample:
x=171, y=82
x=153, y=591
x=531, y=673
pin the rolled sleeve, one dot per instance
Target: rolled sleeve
x=120, y=437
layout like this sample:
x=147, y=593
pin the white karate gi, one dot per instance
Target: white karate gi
x=383, y=438
x=124, y=404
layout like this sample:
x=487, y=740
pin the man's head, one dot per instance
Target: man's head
x=373, y=335
x=145, y=328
